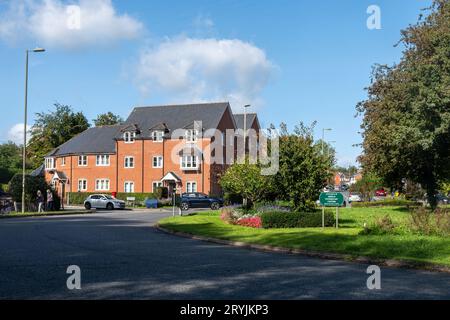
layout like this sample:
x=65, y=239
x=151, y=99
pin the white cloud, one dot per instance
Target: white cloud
x=197, y=70
x=15, y=134
x=53, y=23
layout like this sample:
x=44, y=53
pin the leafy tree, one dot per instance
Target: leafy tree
x=303, y=169
x=349, y=171
x=246, y=179
x=367, y=185
x=406, y=124
x=10, y=161
x=106, y=119
x=53, y=129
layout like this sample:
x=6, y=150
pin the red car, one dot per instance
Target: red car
x=380, y=193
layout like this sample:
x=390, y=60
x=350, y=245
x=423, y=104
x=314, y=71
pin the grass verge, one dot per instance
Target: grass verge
x=405, y=246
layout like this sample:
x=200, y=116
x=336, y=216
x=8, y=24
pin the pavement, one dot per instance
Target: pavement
x=121, y=256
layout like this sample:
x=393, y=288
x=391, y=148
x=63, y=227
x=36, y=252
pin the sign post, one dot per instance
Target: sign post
x=331, y=199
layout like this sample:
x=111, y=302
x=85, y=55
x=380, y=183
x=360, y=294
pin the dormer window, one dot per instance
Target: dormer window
x=157, y=135
x=49, y=163
x=129, y=136
x=191, y=135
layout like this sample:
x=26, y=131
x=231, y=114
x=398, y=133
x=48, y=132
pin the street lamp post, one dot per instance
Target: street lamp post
x=24, y=149
x=245, y=129
x=323, y=136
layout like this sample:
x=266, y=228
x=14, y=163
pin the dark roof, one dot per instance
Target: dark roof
x=38, y=172
x=239, y=119
x=94, y=140
x=177, y=116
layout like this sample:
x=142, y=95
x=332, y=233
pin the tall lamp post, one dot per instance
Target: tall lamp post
x=245, y=129
x=24, y=149
x=323, y=136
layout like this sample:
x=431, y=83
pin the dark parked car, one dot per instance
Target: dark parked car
x=199, y=200
x=441, y=199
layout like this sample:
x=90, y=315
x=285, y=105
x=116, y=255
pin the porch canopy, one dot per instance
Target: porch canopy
x=171, y=177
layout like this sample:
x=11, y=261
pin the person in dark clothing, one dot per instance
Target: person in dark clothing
x=40, y=201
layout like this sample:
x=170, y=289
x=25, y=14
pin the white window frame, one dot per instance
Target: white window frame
x=157, y=135
x=159, y=161
x=191, y=135
x=130, y=184
x=102, y=184
x=82, y=163
x=83, y=185
x=158, y=184
x=187, y=161
x=129, y=136
x=49, y=163
x=126, y=162
x=102, y=160
x=190, y=186
x=63, y=161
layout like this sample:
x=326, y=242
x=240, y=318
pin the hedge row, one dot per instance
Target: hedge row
x=79, y=197
x=279, y=219
x=387, y=202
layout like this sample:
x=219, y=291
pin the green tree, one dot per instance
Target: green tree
x=107, y=119
x=367, y=185
x=10, y=161
x=52, y=129
x=246, y=179
x=406, y=123
x=303, y=169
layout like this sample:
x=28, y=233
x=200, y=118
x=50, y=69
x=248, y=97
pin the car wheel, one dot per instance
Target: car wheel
x=184, y=206
x=110, y=206
x=88, y=206
x=215, y=206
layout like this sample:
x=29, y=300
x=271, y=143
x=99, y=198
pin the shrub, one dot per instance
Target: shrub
x=383, y=225
x=424, y=221
x=79, y=197
x=270, y=207
x=232, y=198
x=230, y=214
x=252, y=222
x=387, y=202
x=281, y=219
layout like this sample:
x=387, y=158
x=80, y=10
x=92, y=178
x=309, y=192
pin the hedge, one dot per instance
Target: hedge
x=387, y=202
x=280, y=219
x=79, y=197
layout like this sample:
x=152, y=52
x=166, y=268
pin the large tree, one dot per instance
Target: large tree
x=406, y=124
x=53, y=129
x=10, y=161
x=303, y=169
x=107, y=119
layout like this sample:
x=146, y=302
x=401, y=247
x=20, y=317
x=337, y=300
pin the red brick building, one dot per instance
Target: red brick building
x=156, y=146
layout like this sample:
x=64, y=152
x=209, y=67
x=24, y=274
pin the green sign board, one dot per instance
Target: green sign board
x=331, y=199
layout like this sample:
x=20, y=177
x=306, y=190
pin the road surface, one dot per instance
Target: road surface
x=121, y=255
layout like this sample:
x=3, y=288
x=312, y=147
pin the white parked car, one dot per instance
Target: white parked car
x=103, y=201
x=354, y=197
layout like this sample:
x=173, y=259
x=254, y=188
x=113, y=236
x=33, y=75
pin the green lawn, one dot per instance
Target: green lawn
x=402, y=246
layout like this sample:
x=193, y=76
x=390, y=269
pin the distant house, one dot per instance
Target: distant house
x=140, y=155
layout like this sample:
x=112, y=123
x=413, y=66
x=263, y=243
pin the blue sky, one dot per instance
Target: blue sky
x=292, y=60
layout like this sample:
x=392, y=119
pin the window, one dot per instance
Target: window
x=82, y=185
x=157, y=162
x=189, y=162
x=129, y=187
x=49, y=163
x=82, y=161
x=157, y=135
x=191, y=186
x=102, y=184
x=155, y=185
x=63, y=161
x=191, y=135
x=102, y=160
x=129, y=162
x=129, y=137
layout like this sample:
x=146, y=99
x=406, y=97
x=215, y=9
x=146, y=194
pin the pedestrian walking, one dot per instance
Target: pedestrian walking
x=40, y=201
x=49, y=200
